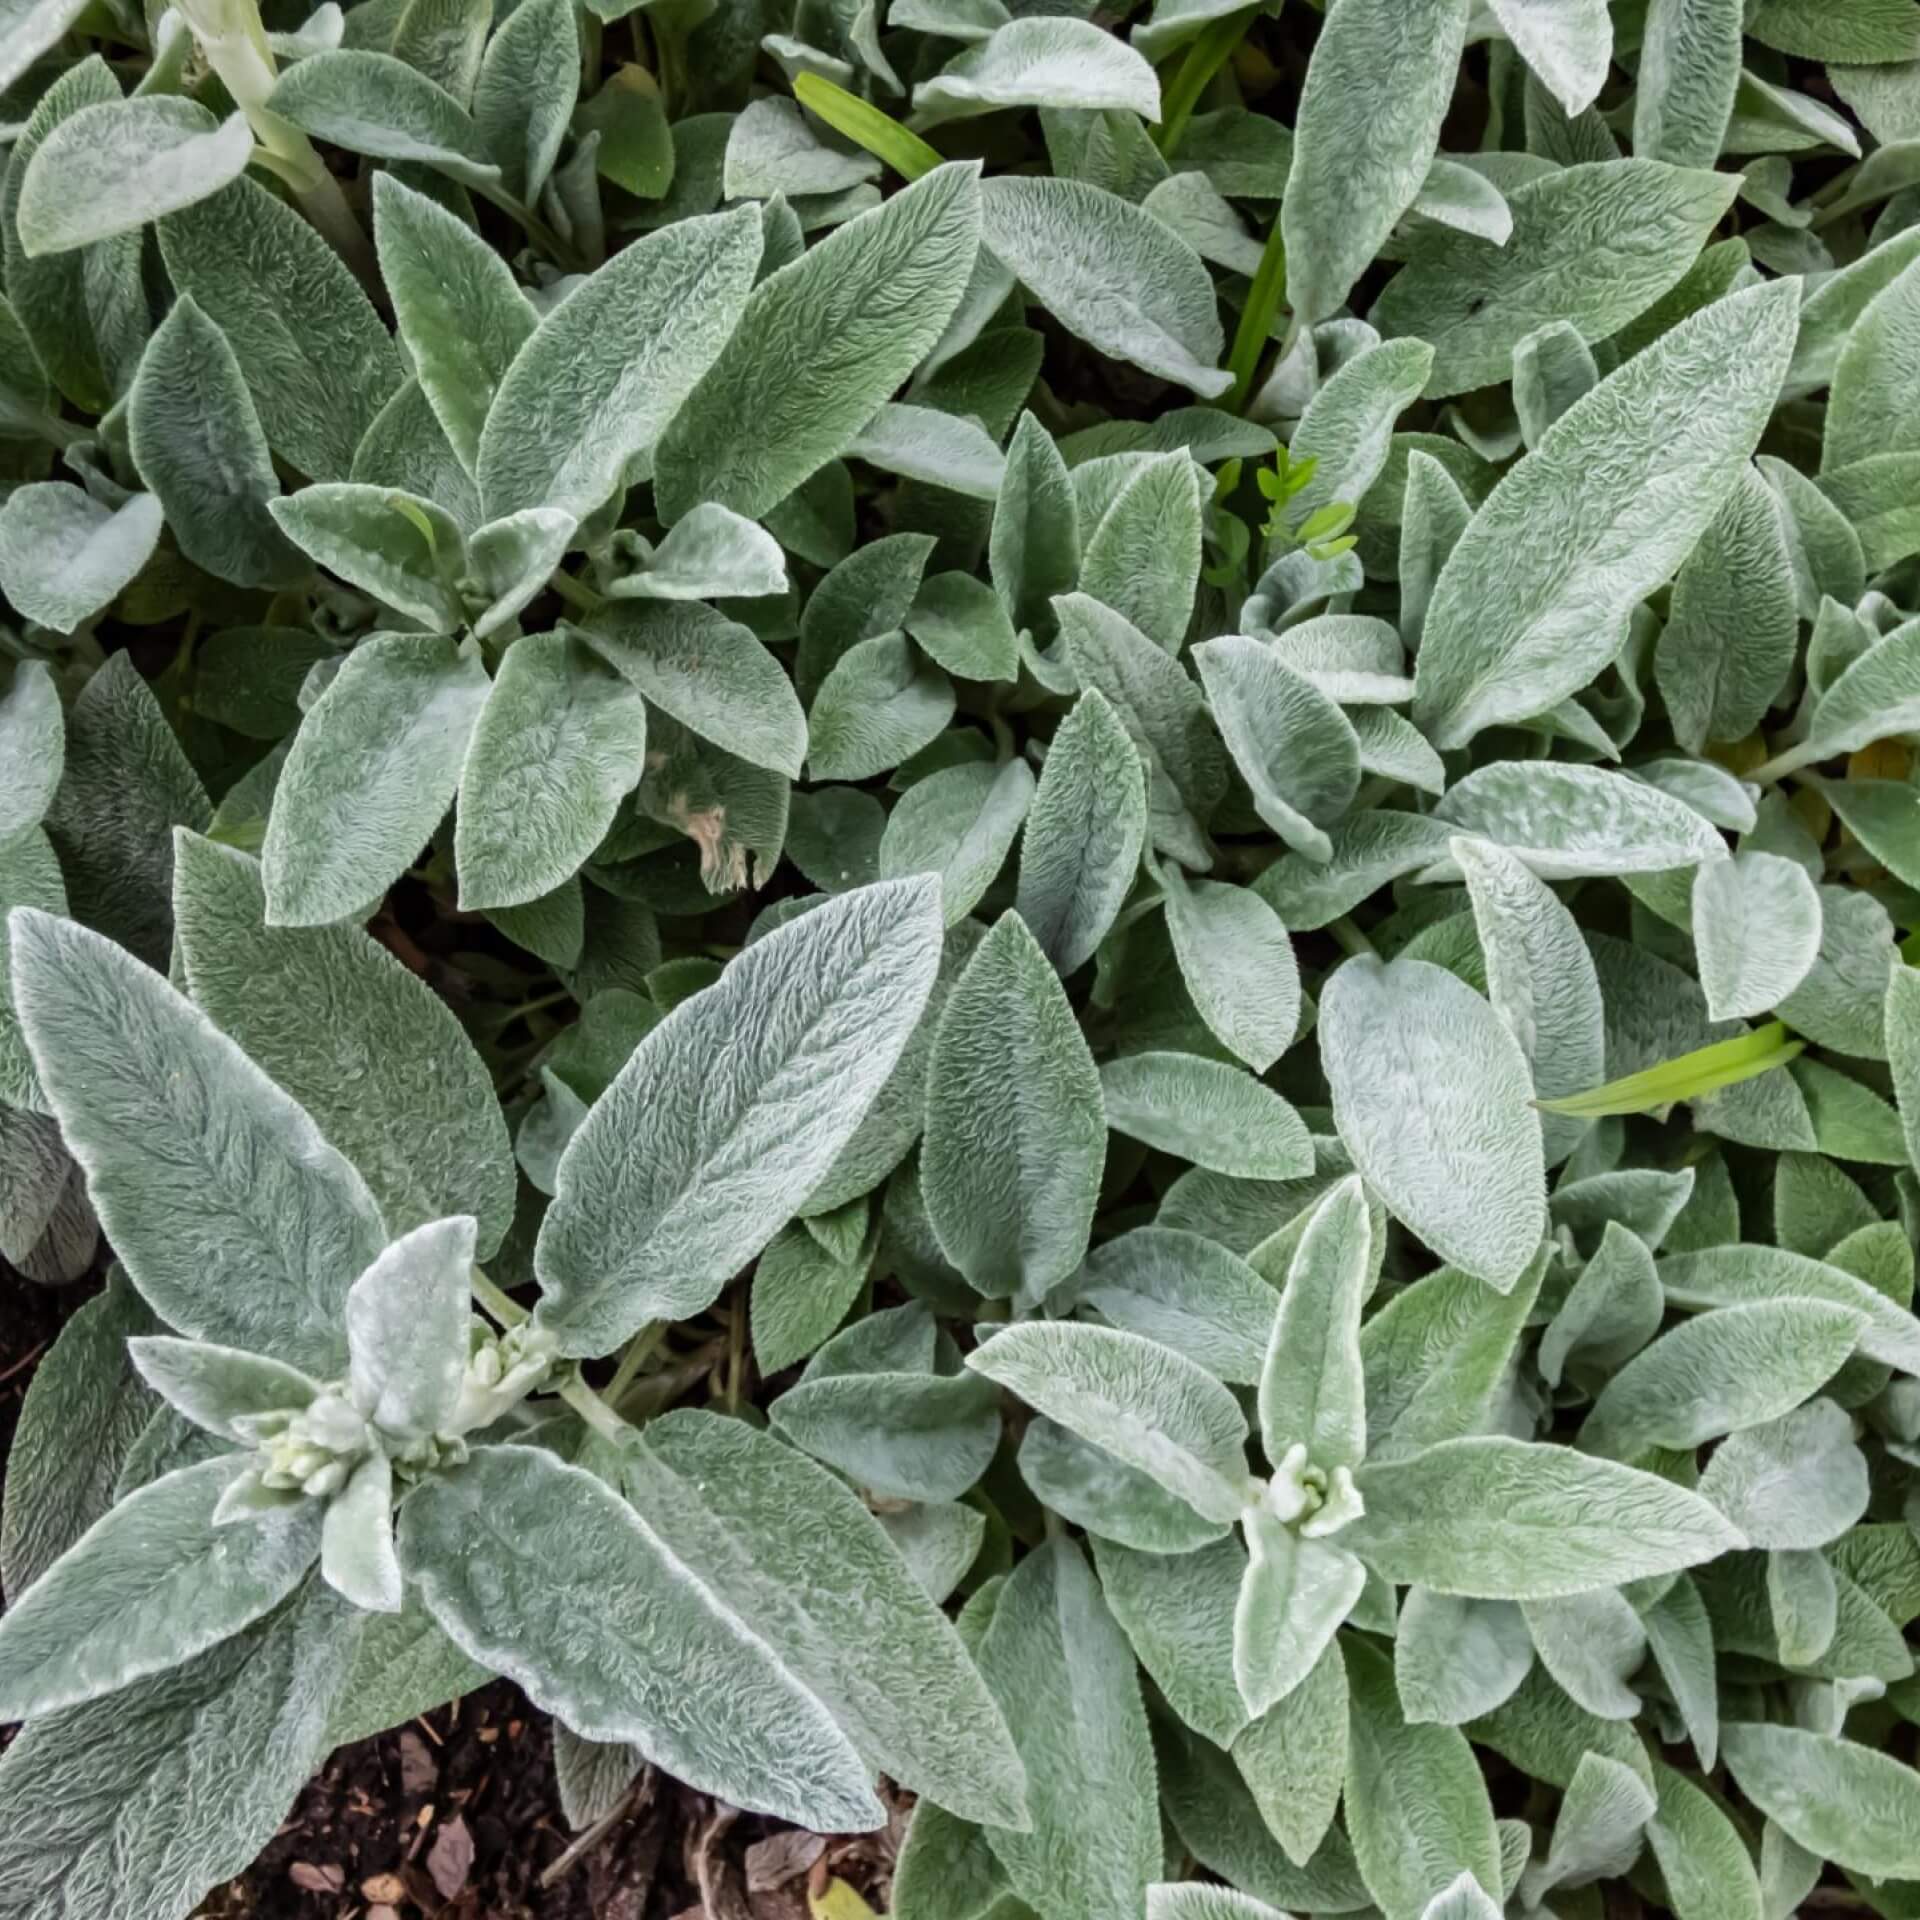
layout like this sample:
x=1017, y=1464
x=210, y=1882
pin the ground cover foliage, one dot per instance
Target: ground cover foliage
x=976, y=892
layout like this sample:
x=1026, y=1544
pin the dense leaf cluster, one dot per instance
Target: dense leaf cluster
x=974, y=890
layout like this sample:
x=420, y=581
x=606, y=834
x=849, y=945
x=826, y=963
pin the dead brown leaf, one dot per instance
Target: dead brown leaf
x=450, y=1858
x=782, y=1857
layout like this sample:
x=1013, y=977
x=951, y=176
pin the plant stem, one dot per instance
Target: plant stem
x=1351, y=939
x=576, y=593
x=1778, y=767
x=736, y=1356
x=538, y=1004
x=595, y=1411
x=1206, y=55
x=234, y=41
x=561, y=252
x=639, y=1350
x=507, y=1311
x=325, y=205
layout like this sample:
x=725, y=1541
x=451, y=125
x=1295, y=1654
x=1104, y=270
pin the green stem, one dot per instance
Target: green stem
x=538, y=1004
x=559, y=251
x=576, y=593
x=1264, y=298
x=325, y=205
x=639, y=1349
x=1351, y=939
x=509, y=1312
x=1782, y=764
x=1206, y=55
x=736, y=1355
x=234, y=42
x=595, y=1411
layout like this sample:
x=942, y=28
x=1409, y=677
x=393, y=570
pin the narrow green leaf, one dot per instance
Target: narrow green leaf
x=1705, y=1070
x=862, y=122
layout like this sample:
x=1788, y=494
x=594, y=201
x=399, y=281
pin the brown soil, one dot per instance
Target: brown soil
x=457, y=1817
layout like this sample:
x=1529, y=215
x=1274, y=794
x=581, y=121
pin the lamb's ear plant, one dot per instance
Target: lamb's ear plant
x=1005, y=911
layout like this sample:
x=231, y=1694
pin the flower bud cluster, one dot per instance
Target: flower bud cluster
x=1318, y=1503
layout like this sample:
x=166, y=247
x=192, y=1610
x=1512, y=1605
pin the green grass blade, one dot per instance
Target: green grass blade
x=1205, y=56
x=1269, y=289
x=866, y=126
x=1705, y=1070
